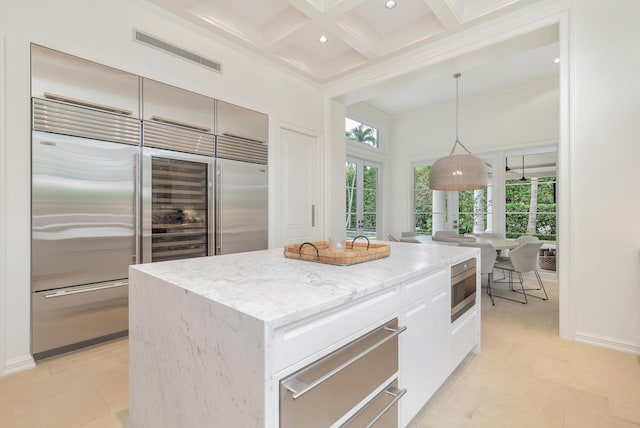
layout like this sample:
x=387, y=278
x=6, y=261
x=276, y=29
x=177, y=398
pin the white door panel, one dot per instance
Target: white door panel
x=301, y=184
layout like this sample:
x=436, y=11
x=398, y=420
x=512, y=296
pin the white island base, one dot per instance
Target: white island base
x=211, y=338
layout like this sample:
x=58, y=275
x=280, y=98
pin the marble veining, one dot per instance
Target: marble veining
x=269, y=287
x=201, y=339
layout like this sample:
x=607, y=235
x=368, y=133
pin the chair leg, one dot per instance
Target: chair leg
x=546, y=296
x=489, y=292
x=512, y=289
x=541, y=287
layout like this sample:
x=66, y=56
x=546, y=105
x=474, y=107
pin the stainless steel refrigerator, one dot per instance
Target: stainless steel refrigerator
x=241, y=220
x=241, y=179
x=84, y=176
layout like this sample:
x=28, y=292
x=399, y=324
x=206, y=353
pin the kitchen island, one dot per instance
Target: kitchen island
x=211, y=338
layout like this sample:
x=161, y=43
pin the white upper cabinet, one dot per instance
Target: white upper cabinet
x=63, y=77
x=169, y=104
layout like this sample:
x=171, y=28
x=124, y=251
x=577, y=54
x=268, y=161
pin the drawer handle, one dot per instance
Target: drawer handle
x=87, y=104
x=298, y=388
x=63, y=293
x=392, y=391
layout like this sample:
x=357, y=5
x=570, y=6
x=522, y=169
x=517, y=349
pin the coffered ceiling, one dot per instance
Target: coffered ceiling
x=364, y=34
x=358, y=32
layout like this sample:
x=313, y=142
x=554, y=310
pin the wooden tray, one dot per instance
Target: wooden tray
x=353, y=252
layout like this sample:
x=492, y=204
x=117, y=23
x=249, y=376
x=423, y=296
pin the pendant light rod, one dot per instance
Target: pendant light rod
x=457, y=77
x=458, y=142
x=458, y=171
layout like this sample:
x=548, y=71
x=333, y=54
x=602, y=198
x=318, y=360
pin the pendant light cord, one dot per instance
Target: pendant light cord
x=457, y=76
x=457, y=142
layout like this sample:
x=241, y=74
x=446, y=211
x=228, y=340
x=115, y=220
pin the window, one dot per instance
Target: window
x=435, y=209
x=361, y=133
x=422, y=201
x=471, y=211
x=531, y=208
x=362, y=198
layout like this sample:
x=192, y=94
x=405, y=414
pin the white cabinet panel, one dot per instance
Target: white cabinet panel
x=316, y=335
x=424, y=351
x=464, y=336
x=417, y=289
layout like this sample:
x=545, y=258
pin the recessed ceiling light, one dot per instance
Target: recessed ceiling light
x=556, y=60
x=390, y=4
x=323, y=39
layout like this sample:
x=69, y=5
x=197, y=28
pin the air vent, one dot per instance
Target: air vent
x=241, y=149
x=68, y=119
x=163, y=136
x=177, y=51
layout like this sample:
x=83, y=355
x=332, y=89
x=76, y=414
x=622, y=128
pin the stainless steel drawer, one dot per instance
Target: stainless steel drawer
x=323, y=392
x=68, y=318
x=380, y=412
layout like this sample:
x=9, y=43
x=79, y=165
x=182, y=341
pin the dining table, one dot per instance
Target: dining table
x=499, y=243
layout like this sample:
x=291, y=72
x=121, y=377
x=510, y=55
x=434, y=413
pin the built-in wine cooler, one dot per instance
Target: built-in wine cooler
x=180, y=209
x=178, y=195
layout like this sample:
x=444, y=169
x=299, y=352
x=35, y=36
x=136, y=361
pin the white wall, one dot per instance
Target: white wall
x=604, y=194
x=335, y=156
x=526, y=115
x=103, y=32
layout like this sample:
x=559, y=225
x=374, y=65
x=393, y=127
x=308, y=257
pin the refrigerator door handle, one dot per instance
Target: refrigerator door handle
x=218, y=208
x=136, y=206
x=62, y=293
x=211, y=211
x=313, y=215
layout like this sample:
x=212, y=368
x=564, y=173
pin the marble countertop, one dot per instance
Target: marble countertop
x=276, y=290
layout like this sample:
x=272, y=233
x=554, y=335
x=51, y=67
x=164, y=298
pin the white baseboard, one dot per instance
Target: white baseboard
x=16, y=365
x=607, y=342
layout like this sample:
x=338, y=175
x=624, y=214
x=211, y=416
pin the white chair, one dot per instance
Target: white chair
x=407, y=234
x=392, y=238
x=523, y=258
x=521, y=239
x=487, y=260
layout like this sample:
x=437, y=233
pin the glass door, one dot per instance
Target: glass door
x=361, y=198
x=180, y=209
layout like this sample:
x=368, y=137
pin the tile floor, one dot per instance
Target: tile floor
x=525, y=376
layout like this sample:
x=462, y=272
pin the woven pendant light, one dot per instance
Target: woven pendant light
x=458, y=171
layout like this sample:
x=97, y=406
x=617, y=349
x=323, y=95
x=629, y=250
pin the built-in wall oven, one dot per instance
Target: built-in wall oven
x=463, y=288
x=327, y=392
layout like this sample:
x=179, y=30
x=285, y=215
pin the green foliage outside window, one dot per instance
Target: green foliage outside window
x=363, y=134
x=369, y=196
x=465, y=211
x=423, y=200
x=541, y=222
x=517, y=216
